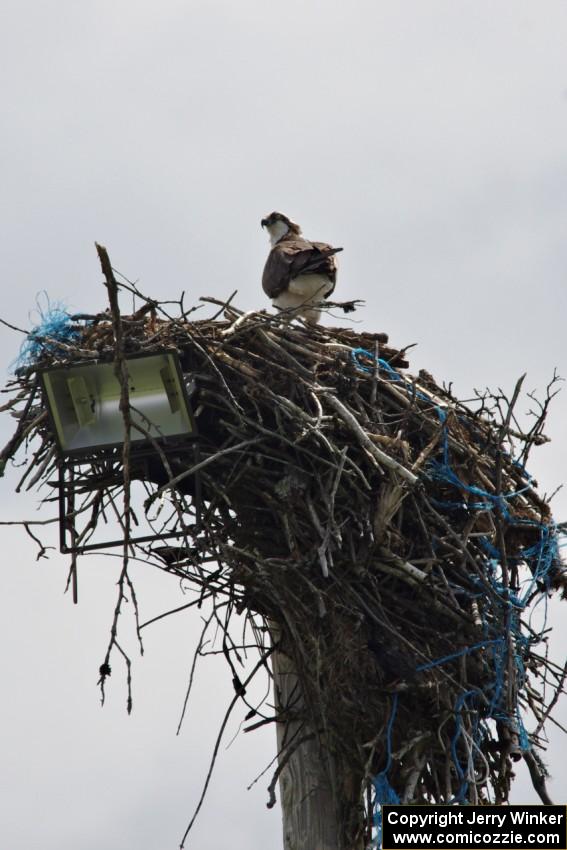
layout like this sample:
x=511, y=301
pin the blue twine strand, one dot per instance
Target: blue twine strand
x=55, y=326
x=383, y=791
x=503, y=627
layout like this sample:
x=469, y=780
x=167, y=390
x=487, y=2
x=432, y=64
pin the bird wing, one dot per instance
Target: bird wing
x=292, y=257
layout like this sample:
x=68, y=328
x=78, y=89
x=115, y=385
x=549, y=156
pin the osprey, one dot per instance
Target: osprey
x=298, y=274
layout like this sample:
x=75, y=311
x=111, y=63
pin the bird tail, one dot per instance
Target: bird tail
x=325, y=252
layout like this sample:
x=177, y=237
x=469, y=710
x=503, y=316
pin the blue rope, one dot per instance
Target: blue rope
x=383, y=791
x=466, y=651
x=53, y=325
x=503, y=631
x=444, y=472
x=441, y=471
x=539, y=557
x=385, y=366
x=499, y=664
x=460, y=704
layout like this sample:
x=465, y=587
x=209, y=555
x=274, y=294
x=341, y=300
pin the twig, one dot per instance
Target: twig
x=365, y=441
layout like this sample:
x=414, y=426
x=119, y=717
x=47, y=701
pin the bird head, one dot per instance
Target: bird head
x=278, y=225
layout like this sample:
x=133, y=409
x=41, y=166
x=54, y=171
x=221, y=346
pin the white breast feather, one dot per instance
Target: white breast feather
x=310, y=286
x=304, y=294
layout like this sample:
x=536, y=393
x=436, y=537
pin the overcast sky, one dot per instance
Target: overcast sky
x=427, y=137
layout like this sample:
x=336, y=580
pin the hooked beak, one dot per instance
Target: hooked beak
x=264, y=222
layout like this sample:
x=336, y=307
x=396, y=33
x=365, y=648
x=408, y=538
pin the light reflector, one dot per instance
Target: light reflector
x=84, y=401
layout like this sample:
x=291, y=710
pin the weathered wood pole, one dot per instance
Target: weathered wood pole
x=313, y=794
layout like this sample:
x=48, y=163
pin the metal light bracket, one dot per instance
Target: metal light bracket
x=79, y=475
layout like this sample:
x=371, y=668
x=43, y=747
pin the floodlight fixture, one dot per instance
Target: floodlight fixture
x=83, y=401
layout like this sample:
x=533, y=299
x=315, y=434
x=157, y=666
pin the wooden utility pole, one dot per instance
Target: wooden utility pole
x=308, y=810
x=314, y=795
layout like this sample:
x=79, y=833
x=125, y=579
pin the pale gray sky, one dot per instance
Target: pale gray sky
x=427, y=138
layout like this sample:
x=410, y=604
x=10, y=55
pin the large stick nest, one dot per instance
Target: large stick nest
x=389, y=534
